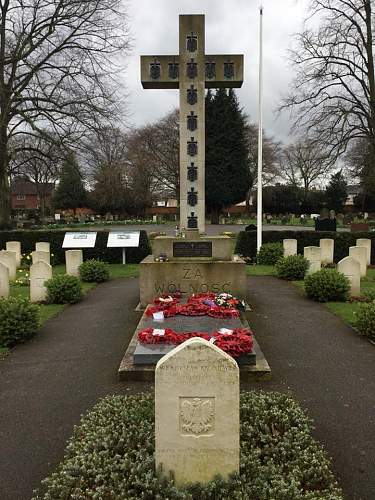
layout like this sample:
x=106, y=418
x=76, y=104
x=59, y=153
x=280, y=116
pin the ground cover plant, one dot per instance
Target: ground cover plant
x=111, y=456
x=327, y=285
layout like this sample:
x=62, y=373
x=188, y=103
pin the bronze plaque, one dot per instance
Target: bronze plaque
x=192, y=249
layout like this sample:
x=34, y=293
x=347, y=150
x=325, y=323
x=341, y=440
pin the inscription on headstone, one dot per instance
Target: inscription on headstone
x=192, y=249
x=197, y=413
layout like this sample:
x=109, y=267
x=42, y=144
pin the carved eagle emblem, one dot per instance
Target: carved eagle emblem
x=197, y=415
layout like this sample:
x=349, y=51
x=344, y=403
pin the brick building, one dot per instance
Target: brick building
x=26, y=195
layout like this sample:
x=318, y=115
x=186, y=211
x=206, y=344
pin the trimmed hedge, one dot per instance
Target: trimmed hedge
x=326, y=285
x=111, y=456
x=100, y=251
x=19, y=320
x=247, y=241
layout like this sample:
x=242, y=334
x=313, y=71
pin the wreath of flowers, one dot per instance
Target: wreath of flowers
x=234, y=342
x=221, y=305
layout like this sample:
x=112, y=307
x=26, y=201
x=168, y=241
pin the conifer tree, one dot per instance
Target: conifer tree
x=227, y=169
x=70, y=192
x=336, y=192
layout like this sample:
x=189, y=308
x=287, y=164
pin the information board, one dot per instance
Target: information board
x=123, y=239
x=79, y=240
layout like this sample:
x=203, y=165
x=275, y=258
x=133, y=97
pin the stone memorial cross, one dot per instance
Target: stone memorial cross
x=197, y=413
x=192, y=71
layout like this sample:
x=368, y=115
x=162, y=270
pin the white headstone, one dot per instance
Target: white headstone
x=360, y=254
x=365, y=242
x=4, y=281
x=9, y=260
x=42, y=246
x=197, y=412
x=351, y=268
x=327, y=246
x=314, y=256
x=73, y=259
x=15, y=246
x=40, y=272
x=39, y=255
x=290, y=247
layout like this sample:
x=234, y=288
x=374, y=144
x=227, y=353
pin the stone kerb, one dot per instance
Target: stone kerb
x=73, y=259
x=9, y=260
x=4, y=281
x=365, y=242
x=197, y=412
x=40, y=272
x=314, y=256
x=350, y=267
x=42, y=246
x=15, y=246
x=327, y=246
x=360, y=254
x=290, y=247
x=39, y=255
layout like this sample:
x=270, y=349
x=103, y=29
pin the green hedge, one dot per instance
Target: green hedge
x=111, y=456
x=247, y=241
x=101, y=252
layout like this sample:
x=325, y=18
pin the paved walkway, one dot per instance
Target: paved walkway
x=46, y=384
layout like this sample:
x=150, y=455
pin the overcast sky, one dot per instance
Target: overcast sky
x=231, y=27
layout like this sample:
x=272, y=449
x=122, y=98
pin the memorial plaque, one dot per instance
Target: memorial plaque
x=123, y=239
x=192, y=249
x=79, y=240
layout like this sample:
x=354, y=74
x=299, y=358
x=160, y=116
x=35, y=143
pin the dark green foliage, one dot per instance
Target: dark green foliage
x=336, y=192
x=365, y=322
x=246, y=241
x=227, y=168
x=270, y=253
x=326, y=285
x=293, y=267
x=70, y=193
x=19, y=320
x=93, y=271
x=111, y=456
x=55, y=237
x=64, y=289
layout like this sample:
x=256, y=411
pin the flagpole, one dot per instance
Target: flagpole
x=260, y=135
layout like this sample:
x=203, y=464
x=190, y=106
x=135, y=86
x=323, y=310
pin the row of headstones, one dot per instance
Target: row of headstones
x=354, y=266
x=40, y=270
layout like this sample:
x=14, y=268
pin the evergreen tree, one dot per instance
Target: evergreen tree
x=227, y=169
x=70, y=192
x=336, y=192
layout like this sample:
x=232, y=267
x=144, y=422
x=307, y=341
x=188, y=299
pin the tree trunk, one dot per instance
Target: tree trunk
x=5, y=200
x=371, y=74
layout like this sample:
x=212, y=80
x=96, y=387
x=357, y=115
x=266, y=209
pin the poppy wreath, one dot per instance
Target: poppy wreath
x=236, y=343
x=203, y=304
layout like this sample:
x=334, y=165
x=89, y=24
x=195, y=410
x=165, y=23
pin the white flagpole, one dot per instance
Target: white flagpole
x=260, y=136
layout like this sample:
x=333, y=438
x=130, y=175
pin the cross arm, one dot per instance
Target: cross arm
x=151, y=66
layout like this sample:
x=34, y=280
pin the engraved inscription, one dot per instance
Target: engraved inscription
x=197, y=416
x=192, y=249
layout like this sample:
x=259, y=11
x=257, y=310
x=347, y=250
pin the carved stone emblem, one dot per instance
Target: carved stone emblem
x=210, y=70
x=173, y=70
x=192, y=96
x=192, y=197
x=197, y=416
x=155, y=70
x=192, y=221
x=192, y=69
x=192, y=147
x=192, y=173
x=192, y=42
x=228, y=70
x=192, y=121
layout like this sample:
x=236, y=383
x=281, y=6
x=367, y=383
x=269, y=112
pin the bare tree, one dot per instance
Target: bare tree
x=303, y=164
x=56, y=72
x=333, y=94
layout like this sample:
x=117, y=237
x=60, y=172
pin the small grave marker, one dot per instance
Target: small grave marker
x=327, y=249
x=40, y=272
x=290, y=247
x=350, y=267
x=4, y=281
x=73, y=259
x=39, y=255
x=313, y=255
x=365, y=242
x=15, y=246
x=9, y=260
x=360, y=254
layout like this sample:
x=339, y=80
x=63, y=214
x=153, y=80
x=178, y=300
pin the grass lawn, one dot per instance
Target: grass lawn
x=259, y=270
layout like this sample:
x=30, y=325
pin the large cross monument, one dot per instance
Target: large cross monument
x=192, y=71
x=198, y=263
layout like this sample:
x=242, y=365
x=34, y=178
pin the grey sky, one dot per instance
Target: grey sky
x=231, y=27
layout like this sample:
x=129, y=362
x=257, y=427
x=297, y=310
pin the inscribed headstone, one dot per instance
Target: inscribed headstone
x=351, y=269
x=39, y=255
x=40, y=272
x=4, y=281
x=73, y=259
x=42, y=246
x=197, y=412
x=360, y=254
x=9, y=260
x=313, y=255
x=15, y=246
x=290, y=247
x=327, y=249
x=365, y=242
